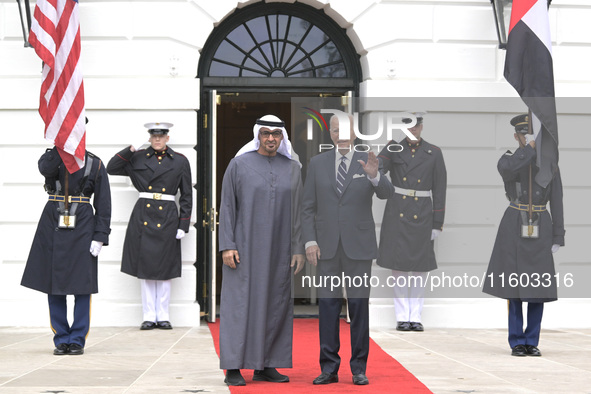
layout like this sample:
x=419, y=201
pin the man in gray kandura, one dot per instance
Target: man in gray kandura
x=260, y=241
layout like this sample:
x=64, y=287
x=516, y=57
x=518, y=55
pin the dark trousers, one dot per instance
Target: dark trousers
x=329, y=309
x=58, y=314
x=531, y=335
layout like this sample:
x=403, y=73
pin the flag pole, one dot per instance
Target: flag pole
x=530, y=207
x=66, y=197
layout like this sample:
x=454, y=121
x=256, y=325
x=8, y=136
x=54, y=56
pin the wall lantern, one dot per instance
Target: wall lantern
x=28, y=16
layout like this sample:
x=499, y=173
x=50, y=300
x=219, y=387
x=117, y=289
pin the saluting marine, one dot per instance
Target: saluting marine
x=413, y=218
x=152, y=248
x=525, y=241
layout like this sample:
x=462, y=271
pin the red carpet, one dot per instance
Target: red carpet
x=385, y=374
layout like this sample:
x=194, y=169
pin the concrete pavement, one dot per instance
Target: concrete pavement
x=183, y=360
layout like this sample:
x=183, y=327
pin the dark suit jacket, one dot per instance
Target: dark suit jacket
x=328, y=217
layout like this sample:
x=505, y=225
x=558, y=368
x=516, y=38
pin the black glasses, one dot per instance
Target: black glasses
x=266, y=134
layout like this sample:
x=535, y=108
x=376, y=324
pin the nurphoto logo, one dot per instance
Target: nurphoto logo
x=387, y=122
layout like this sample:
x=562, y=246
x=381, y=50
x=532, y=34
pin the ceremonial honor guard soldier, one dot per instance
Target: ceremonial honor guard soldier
x=69, y=237
x=521, y=267
x=413, y=218
x=152, y=247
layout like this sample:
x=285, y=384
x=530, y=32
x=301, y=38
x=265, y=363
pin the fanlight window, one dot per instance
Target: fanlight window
x=277, y=46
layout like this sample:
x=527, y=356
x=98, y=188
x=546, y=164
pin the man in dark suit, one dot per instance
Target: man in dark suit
x=339, y=232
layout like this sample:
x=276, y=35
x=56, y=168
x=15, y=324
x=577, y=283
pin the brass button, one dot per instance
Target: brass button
x=416, y=199
x=416, y=217
x=419, y=181
x=401, y=215
x=404, y=197
x=147, y=154
x=404, y=179
x=413, y=156
x=158, y=224
x=160, y=208
x=148, y=205
x=149, y=187
x=163, y=189
x=145, y=223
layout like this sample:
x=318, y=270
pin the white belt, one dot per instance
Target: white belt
x=412, y=193
x=157, y=196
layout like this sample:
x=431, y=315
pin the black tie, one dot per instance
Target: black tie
x=341, y=174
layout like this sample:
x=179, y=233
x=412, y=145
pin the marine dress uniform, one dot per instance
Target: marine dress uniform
x=152, y=248
x=63, y=257
x=417, y=208
x=521, y=267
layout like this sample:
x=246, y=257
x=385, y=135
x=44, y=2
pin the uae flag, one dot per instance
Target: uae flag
x=528, y=68
x=55, y=35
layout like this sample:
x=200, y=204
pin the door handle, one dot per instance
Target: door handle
x=211, y=219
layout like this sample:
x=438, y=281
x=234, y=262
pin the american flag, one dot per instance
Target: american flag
x=55, y=35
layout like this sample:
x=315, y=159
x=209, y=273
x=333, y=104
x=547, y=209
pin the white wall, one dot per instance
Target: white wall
x=140, y=61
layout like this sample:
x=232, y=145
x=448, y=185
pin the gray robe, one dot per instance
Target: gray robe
x=259, y=217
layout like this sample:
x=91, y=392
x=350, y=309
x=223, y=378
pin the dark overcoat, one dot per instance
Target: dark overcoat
x=523, y=268
x=151, y=250
x=405, y=237
x=60, y=262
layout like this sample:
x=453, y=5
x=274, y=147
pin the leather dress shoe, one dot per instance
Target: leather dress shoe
x=532, y=351
x=61, y=349
x=519, y=351
x=403, y=326
x=76, y=349
x=326, y=378
x=148, y=325
x=234, y=378
x=164, y=325
x=269, y=375
x=360, y=379
x=416, y=326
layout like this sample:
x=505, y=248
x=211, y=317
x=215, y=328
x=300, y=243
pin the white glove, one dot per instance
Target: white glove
x=435, y=233
x=95, y=248
x=529, y=138
x=138, y=144
x=555, y=248
x=180, y=234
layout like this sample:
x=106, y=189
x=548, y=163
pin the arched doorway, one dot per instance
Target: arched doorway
x=253, y=64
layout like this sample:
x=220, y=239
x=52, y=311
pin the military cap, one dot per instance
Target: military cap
x=158, y=128
x=419, y=116
x=521, y=123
